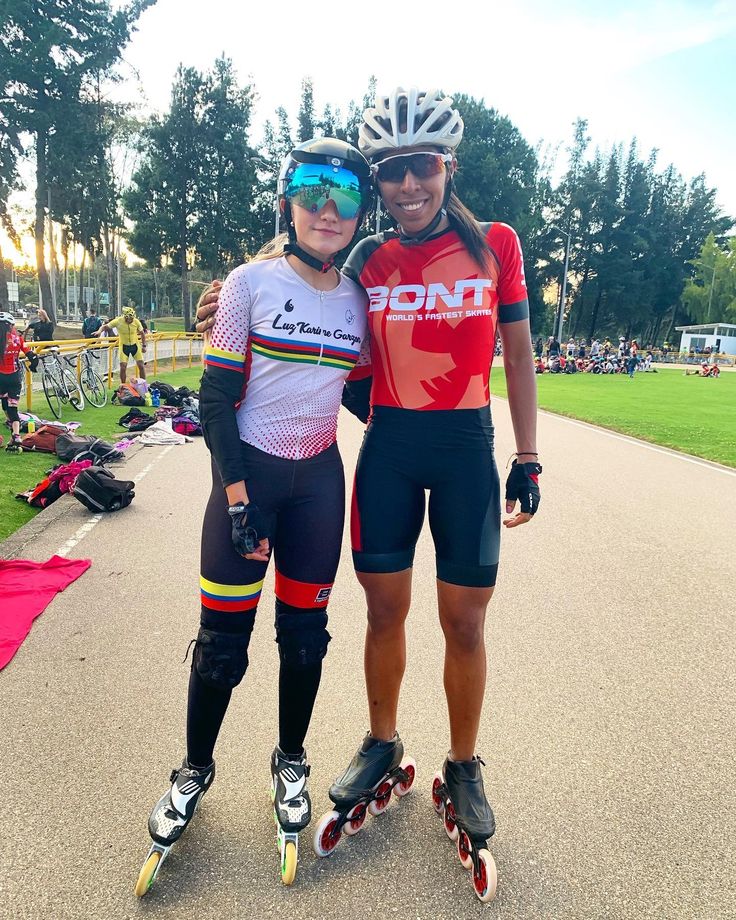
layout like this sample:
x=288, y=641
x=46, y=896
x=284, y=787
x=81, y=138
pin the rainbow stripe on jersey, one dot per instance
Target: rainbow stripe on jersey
x=303, y=352
x=227, y=360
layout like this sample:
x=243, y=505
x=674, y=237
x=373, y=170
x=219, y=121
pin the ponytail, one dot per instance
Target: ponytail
x=464, y=223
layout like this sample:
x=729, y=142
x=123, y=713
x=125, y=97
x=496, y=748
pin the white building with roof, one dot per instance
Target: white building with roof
x=720, y=337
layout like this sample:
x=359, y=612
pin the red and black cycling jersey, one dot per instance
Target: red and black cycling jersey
x=14, y=345
x=433, y=314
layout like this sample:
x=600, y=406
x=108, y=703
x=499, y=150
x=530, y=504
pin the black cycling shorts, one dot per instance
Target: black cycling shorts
x=307, y=498
x=131, y=351
x=449, y=453
x=10, y=386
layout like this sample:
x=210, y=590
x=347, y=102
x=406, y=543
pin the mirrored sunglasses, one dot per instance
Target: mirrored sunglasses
x=422, y=166
x=312, y=185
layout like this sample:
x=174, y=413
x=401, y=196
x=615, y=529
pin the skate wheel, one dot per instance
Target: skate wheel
x=326, y=836
x=437, y=801
x=485, y=877
x=288, y=863
x=409, y=766
x=464, y=850
x=382, y=798
x=449, y=822
x=355, y=820
x=147, y=874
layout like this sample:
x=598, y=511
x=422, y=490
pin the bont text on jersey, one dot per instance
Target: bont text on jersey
x=427, y=296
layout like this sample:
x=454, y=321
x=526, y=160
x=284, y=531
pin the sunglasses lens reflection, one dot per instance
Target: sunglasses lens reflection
x=312, y=185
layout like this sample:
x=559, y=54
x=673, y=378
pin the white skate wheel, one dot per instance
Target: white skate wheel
x=464, y=850
x=409, y=766
x=485, y=879
x=326, y=838
x=382, y=800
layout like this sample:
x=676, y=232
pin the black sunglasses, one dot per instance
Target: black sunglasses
x=422, y=166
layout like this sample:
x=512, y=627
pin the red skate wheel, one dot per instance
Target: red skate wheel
x=355, y=820
x=437, y=800
x=382, y=798
x=464, y=850
x=450, y=826
x=405, y=786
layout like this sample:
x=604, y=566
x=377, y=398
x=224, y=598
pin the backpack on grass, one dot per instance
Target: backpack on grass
x=127, y=395
x=97, y=489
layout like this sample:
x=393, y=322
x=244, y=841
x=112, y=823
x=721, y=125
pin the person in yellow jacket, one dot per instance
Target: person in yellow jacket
x=129, y=330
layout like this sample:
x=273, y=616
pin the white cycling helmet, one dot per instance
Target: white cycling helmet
x=408, y=118
x=7, y=318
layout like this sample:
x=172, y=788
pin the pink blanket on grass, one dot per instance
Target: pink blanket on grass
x=26, y=590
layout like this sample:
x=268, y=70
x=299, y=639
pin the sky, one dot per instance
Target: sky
x=663, y=72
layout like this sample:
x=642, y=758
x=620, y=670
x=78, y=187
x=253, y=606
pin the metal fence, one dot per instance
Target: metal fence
x=174, y=350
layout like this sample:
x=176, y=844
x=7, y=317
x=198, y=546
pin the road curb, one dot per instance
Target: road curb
x=15, y=544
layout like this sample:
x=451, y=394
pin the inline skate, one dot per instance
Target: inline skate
x=458, y=795
x=14, y=445
x=292, y=807
x=171, y=816
x=377, y=769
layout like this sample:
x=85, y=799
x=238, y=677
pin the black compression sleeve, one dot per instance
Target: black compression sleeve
x=356, y=397
x=219, y=394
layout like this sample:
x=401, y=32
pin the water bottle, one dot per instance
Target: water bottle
x=31, y=426
x=156, y=397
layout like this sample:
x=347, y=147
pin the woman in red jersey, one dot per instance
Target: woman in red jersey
x=11, y=346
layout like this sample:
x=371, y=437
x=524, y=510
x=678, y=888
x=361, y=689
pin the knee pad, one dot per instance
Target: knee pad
x=221, y=658
x=12, y=413
x=301, y=635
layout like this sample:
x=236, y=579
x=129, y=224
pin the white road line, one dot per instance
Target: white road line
x=80, y=534
x=716, y=467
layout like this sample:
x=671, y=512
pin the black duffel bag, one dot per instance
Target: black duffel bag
x=97, y=489
x=85, y=447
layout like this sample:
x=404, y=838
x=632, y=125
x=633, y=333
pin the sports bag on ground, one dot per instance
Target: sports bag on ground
x=136, y=420
x=97, y=489
x=127, y=395
x=85, y=447
x=43, y=439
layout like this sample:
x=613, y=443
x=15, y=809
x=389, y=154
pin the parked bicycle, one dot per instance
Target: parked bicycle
x=93, y=386
x=59, y=382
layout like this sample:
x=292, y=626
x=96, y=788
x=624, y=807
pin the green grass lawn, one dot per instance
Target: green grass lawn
x=19, y=472
x=691, y=414
x=169, y=323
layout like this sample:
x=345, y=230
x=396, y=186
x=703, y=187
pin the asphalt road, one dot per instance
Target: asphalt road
x=608, y=731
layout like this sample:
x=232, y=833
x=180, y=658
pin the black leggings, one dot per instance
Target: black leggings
x=307, y=498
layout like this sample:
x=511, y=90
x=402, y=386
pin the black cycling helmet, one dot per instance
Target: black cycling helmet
x=340, y=170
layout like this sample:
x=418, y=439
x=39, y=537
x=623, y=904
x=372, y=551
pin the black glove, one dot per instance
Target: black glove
x=250, y=526
x=523, y=485
x=32, y=359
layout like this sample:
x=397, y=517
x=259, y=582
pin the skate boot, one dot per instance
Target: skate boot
x=378, y=769
x=292, y=807
x=171, y=816
x=458, y=795
x=14, y=445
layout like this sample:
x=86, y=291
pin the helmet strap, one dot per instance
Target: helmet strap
x=295, y=249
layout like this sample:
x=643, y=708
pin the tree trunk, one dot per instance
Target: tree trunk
x=4, y=302
x=110, y=268
x=594, y=314
x=81, y=302
x=186, y=313
x=40, y=225
x=672, y=323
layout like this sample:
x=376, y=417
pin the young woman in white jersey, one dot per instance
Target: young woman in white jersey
x=289, y=331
